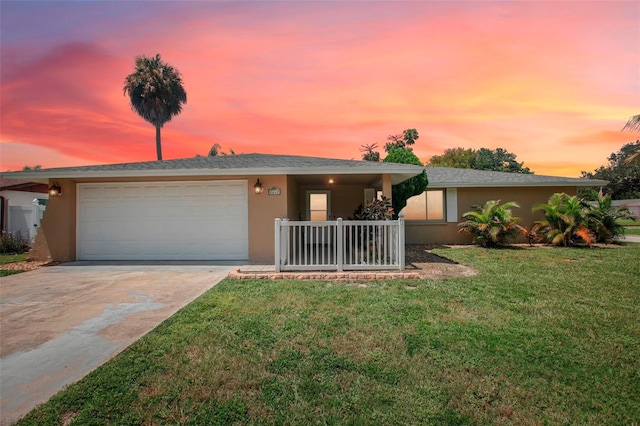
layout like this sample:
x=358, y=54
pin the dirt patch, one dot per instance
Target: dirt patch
x=420, y=259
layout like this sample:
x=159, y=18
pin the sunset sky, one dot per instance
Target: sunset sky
x=553, y=82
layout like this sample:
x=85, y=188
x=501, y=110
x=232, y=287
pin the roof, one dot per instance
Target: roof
x=269, y=164
x=449, y=177
x=230, y=165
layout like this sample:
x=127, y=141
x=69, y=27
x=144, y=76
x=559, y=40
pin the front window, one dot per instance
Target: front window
x=318, y=207
x=428, y=206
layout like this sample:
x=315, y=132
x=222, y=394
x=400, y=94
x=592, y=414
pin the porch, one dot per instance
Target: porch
x=340, y=245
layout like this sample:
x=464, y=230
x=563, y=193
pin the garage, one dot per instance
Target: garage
x=194, y=220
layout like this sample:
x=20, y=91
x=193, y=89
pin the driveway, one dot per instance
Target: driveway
x=59, y=323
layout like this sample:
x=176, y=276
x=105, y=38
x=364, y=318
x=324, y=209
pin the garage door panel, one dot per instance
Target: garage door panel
x=163, y=221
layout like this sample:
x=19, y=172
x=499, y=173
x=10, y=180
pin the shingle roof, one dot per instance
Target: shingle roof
x=448, y=177
x=269, y=164
x=229, y=165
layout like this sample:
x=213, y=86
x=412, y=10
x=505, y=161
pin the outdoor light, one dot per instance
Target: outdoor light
x=331, y=181
x=257, y=188
x=55, y=190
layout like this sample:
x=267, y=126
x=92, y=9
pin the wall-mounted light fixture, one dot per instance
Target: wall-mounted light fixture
x=55, y=190
x=332, y=181
x=257, y=188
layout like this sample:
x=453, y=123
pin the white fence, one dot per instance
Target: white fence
x=25, y=219
x=339, y=245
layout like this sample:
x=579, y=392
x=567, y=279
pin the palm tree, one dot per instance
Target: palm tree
x=491, y=224
x=603, y=218
x=156, y=93
x=633, y=124
x=565, y=220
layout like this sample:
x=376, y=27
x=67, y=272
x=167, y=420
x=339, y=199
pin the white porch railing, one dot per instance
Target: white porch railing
x=339, y=245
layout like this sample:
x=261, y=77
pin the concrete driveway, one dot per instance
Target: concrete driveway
x=59, y=323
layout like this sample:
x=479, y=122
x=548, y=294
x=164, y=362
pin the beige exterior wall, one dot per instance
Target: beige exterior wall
x=59, y=221
x=448, y=233
x=344, y=199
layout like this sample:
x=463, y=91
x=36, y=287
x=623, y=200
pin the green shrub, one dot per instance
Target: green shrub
x=492, y=224
x=375, y=210
x=13, y=243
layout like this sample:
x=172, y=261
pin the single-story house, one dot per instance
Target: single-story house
x=224, y=207
x=22, y=205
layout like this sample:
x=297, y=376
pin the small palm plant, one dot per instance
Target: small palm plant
x=492, y=224
x=565, y=221
x=603, y=218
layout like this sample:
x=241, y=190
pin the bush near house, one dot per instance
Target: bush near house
x=13, y=243
x=570, y=220
x=492, y=224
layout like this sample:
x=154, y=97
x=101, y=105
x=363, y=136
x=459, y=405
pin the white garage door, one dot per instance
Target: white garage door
x=163, y=221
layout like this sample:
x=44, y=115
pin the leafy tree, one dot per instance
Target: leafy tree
x=156, y=93
x=411, y=187
x=369, y=152
x=566, y=221
x=459, y=158
x=499, y=160
x=403, y=141
x=603, y=218
x=491, y=224
x=622, y=172
x=31, y=168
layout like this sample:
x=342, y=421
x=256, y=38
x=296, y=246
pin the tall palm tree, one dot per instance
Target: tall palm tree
x=156, y=93
x=633, y=124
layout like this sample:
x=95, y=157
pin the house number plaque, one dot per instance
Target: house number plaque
x=273, y=191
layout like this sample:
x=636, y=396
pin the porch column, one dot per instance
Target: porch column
x=386, y=186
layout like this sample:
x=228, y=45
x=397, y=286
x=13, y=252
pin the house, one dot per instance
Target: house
x=224, y=207
x=22, y=205
x=433, y=216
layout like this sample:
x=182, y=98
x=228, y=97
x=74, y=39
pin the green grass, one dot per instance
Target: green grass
x=629, y=222
x=539, y=336
x=632, y=231
x=12, y=258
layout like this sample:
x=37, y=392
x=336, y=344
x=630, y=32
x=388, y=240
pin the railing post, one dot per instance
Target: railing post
x=277, y=247
x=401, y=241
x=340, y=243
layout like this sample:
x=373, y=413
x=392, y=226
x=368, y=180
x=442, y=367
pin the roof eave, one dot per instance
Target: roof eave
x=587, y=184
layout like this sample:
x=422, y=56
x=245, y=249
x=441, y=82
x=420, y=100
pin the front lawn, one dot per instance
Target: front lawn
x=11, y=258
x=634, y=230
x=539, y=336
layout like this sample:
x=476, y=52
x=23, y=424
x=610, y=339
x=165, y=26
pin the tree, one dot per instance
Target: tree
x=369, y=152
x=633, y=124
x=565, y=220
x=401, y=192
x=403, y=141
x=623, y=175
x=156, y=93
x=459, y=158
x=499, y=160
x=492, y=224
x=216, y=150
x=31, y=168
x=603, y=218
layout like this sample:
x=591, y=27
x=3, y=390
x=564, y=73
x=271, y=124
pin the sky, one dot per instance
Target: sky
x=550, y=81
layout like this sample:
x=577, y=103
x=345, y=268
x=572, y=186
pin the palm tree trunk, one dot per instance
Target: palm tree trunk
x=158, y=143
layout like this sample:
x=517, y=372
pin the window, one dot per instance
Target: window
x=429, y=206
x=318, y=205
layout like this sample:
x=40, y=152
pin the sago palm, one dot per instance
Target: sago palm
x=156, y=93
x=565, y=220
x=491, y=224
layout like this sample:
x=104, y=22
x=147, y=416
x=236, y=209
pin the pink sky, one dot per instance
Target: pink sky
x=552, y=82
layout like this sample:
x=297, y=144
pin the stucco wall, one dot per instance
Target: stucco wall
x=448, y=233
x=344, y=199
x=59, y=222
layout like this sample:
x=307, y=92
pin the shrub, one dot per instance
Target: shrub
x=565, y=221
x=603, y=218
x=492, y=224
x=13, y=243
x=375, y=210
